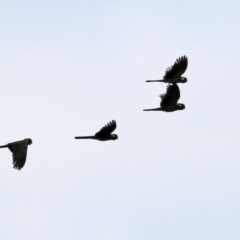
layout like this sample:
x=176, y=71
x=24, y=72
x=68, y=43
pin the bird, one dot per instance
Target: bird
x=105, y=133
x=169, y=100
x=19, y=152
x=173, y=74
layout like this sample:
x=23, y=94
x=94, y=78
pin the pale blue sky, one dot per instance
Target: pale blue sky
x=69, y=67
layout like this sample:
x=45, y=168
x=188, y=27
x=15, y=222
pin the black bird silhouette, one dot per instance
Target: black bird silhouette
x=105, y=133
x=173, y=73
x=19, y=152
x=169, y=100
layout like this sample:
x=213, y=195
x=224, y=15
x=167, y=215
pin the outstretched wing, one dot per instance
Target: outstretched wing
x=178, y=68
x=19, y=152
x=107, y=129
x=172, y=96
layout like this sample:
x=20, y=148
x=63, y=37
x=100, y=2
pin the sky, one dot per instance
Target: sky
x=69, y=67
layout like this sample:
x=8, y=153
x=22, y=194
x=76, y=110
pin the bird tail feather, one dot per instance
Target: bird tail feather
x=153, y=109
x=160, y=80
x=3, y=146
x=86, y=137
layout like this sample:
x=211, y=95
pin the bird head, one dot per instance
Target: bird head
x=183, y=80
x=29, y=141
x=180, y=106
x=114, y=136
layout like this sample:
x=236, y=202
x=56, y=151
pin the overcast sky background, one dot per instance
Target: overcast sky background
x=69, y=67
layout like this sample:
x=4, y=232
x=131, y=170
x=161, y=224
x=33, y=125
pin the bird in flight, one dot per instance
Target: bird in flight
x=105, y=133
x=169, y=100
x=19, y=152
x=173, y=74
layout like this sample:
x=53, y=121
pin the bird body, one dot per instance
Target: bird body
x=104, y=134
x=19, y=152
x=169, y=100
x=173, y=74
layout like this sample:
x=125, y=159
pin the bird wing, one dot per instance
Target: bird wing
x=107, y=129
x=19, y=152
x=178, y=68
x=172, y=96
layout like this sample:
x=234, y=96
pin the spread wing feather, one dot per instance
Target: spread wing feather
x=19, y=152
x=107, y=129
x=178, y=68
x=171, y=97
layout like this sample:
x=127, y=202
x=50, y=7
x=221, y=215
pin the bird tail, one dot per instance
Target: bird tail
x=153, y=109
x=160, y=80
x=3, y=146
x=86, y=137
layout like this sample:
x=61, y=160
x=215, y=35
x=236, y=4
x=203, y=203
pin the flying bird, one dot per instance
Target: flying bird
x=105, y=133
x=169, y=100
x=19, y=152
x=173, y=74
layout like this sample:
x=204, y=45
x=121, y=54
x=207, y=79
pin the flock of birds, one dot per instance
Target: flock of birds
x=173, y=75
x=169, y=103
